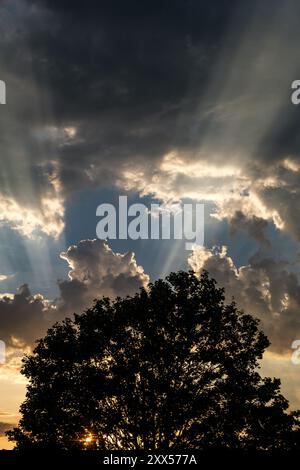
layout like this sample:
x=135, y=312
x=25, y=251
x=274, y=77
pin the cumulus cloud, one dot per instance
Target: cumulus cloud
x=264, y=288
x=96, y=270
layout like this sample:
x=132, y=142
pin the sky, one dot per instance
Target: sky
x=164, y=102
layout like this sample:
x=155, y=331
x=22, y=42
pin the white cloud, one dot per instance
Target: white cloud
x=46, y=216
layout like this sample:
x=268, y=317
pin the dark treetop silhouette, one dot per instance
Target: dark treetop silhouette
x=172, y=367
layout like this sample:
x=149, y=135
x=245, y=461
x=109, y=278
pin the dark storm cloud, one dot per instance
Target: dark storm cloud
x=140, y=79
x=123, y=72
x=127, y=58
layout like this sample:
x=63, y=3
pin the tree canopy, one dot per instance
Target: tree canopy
x=173, y=366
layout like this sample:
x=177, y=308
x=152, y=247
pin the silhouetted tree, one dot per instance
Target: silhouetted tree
x=174, y=366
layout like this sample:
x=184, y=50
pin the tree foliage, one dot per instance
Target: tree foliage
x=172, y=367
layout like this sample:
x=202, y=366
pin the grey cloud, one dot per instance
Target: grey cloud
x=23, y=316
x=254, y=226
x=95, y=271
x=264, y=288
x=139, y=80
